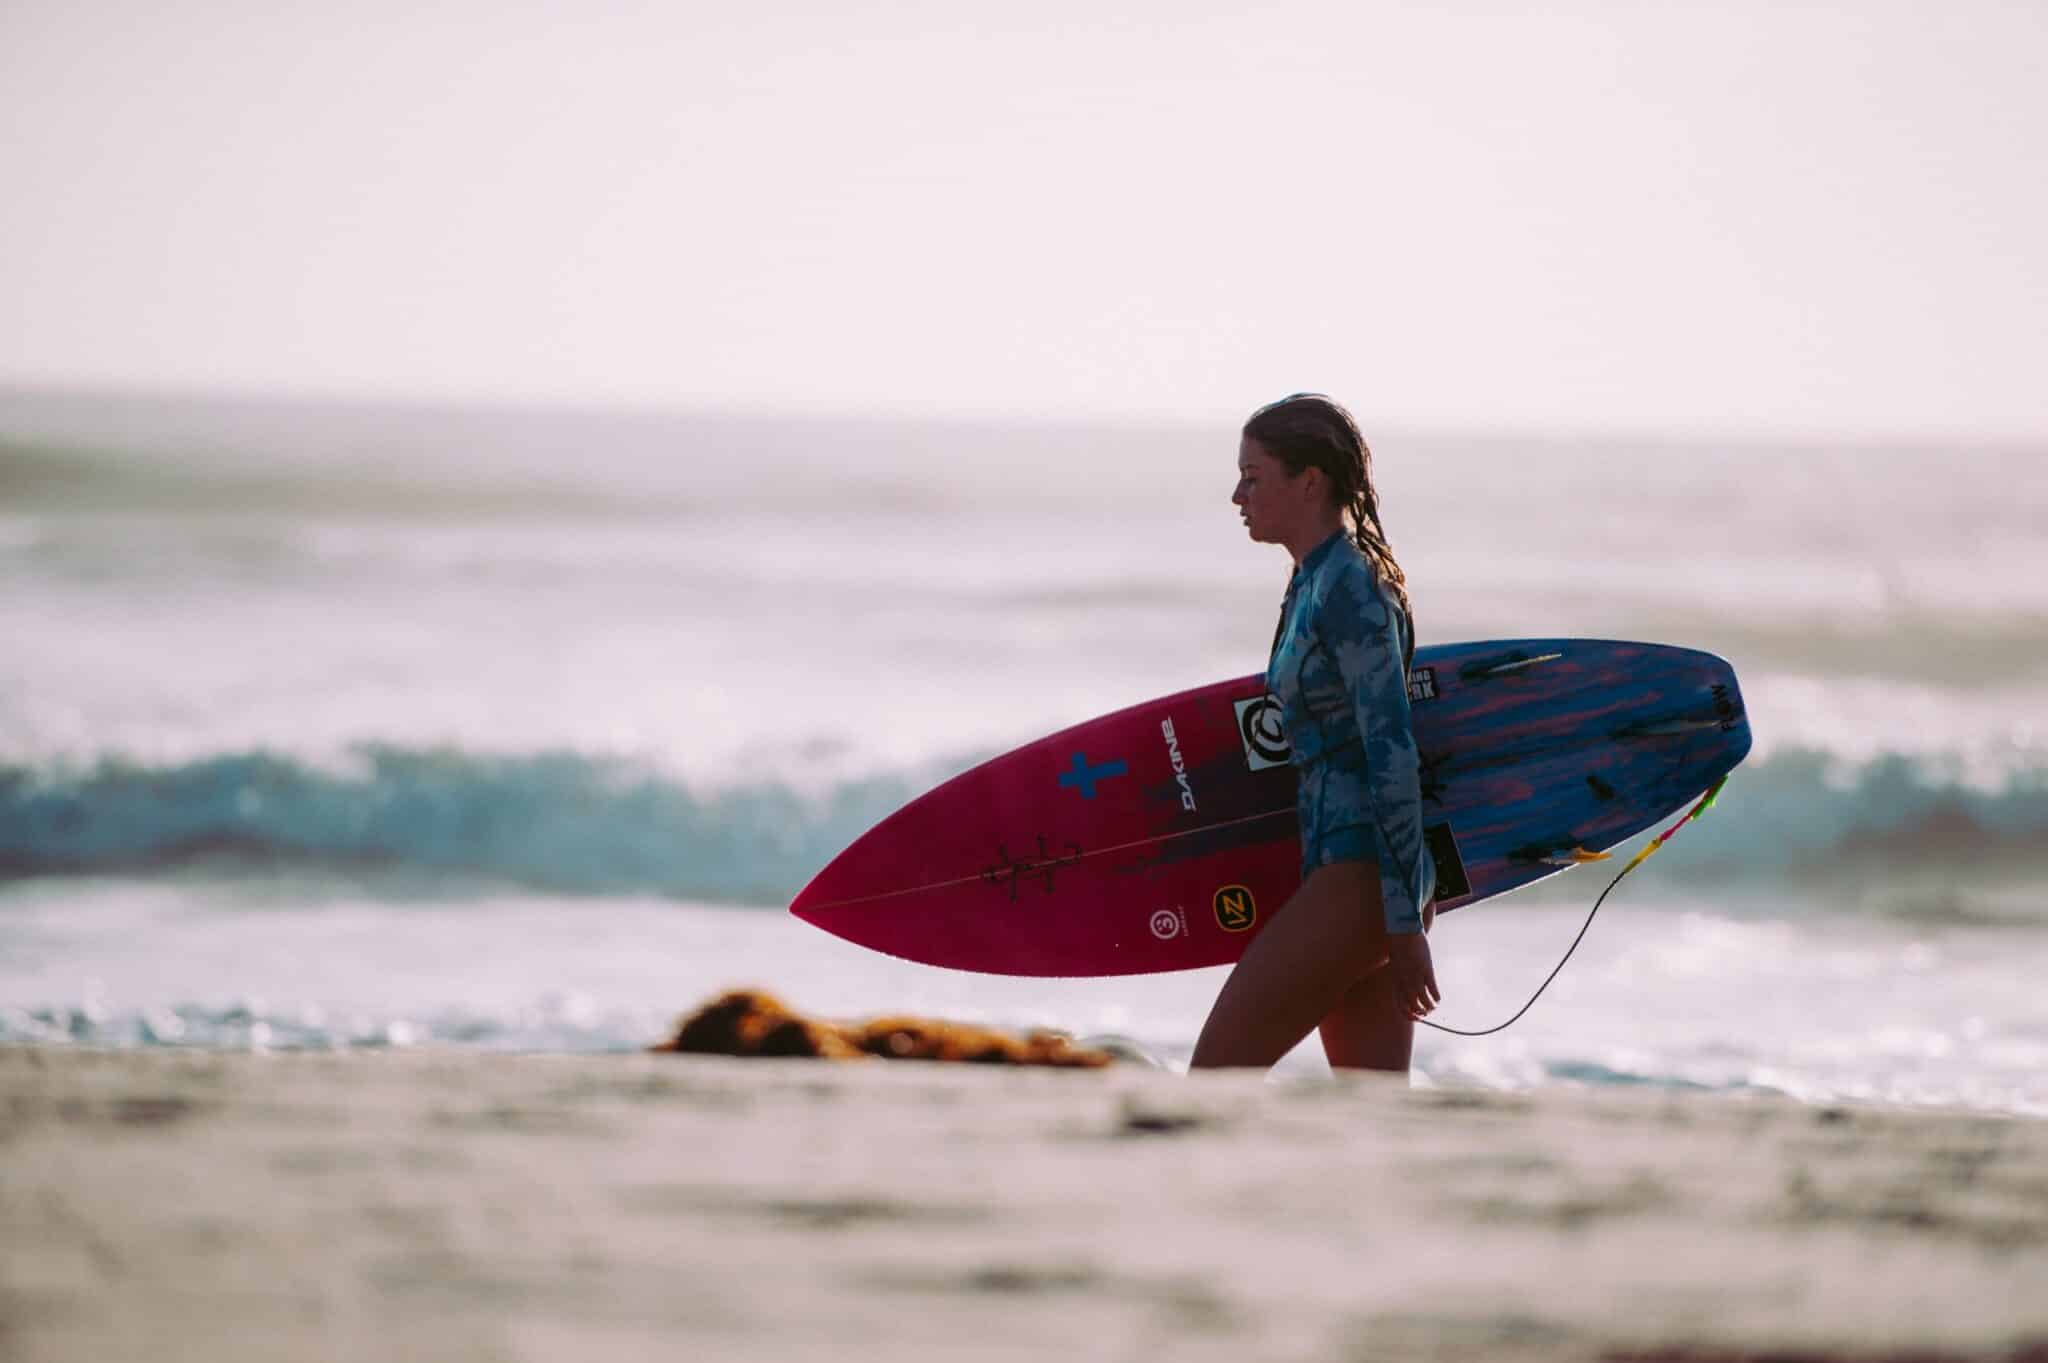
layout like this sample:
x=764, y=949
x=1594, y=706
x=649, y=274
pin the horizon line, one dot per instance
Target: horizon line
x=313, y=397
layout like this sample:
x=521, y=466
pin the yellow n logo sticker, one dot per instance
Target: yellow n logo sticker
x=1235, y=908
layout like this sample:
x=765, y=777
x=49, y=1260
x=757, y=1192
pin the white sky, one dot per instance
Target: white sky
x=1748, y=218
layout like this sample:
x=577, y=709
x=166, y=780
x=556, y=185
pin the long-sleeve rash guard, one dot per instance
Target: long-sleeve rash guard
x=1337, y=671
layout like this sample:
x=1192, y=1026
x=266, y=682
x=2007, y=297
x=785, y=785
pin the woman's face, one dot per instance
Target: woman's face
x=1270, y=500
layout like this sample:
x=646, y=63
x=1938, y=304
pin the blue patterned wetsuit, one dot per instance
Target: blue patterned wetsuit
x=1337, y=673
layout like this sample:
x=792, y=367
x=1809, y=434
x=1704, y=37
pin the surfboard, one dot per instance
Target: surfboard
x=1163, y=836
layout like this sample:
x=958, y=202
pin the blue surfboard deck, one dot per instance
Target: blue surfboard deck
x=1535, y=748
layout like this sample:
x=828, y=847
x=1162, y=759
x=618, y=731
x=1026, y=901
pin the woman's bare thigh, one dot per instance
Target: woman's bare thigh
x=1298, y=969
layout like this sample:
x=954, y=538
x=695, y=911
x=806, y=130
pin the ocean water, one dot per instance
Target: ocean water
x=343, y=726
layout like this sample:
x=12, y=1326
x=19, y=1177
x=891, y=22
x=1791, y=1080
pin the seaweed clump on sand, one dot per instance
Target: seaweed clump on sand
x=751, y=1022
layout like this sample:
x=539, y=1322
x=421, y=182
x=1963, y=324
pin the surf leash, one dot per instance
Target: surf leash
x=1579, y=856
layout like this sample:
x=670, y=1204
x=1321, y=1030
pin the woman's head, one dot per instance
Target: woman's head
x=1325, y=464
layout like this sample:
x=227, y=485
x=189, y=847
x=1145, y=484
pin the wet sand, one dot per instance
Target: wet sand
x=458, y=1206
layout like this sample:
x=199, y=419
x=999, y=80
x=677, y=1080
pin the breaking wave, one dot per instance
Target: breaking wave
x=559, y=821
x=573, y=823
x=1806, y=810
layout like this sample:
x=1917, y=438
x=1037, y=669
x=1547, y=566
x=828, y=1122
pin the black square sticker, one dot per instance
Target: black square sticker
x=1451, y=880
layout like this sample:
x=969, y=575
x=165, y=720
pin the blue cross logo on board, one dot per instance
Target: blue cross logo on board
x=1083, y=777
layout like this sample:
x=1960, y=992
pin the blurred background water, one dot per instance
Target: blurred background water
x=329, y=724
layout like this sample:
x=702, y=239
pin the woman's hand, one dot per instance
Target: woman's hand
x=1414, y=975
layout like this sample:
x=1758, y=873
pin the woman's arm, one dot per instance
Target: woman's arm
x=1363, y=635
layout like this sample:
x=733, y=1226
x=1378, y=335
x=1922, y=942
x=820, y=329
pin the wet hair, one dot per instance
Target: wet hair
x=1308, y=430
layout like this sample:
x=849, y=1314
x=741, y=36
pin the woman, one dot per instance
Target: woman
x=1348, y=955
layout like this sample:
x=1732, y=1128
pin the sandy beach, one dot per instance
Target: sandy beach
x=440, y=1205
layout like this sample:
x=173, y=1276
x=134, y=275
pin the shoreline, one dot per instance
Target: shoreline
x=468, y=1206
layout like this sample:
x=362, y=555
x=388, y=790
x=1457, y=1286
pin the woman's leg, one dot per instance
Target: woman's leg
x=1368, y=1030
x=1302, y=966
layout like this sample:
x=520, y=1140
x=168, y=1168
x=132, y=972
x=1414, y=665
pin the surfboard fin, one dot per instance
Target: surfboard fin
x=1557, y=854
x=1505, y=666
x=1577, y=856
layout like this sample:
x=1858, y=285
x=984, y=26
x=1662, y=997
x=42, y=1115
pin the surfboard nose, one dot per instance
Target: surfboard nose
x=877, y=923
x=815, y=902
